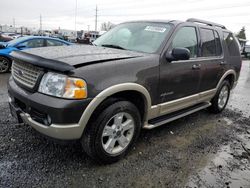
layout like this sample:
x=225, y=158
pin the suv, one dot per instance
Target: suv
x=140, y=74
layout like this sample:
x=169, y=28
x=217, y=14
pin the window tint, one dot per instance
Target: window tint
x=208, y=43
x=34, y=43
x=54, y=43
x=186, y=37
x=218, y=44
x=232, y=45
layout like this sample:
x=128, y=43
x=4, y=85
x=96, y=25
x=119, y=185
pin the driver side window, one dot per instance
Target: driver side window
x=186, y=37
x=34, y=43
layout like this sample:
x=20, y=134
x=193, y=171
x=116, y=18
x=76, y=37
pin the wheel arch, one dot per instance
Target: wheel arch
x=7, y=57
x=229, y=75
x=124, y=90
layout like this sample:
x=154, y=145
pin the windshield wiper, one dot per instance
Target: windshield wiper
x=113, y=46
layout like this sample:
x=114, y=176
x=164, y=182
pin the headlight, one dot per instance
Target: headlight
x=63, y=86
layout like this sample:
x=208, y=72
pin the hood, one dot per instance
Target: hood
x=80, y=55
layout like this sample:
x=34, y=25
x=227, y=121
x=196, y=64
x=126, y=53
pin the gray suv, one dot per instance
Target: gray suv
x=139, y=75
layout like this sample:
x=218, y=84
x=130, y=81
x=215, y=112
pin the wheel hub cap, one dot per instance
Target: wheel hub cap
x=223, y=96
x=118, y=133
x=3, y=65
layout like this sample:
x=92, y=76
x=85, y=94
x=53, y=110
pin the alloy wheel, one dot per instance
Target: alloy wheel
x=118, y=133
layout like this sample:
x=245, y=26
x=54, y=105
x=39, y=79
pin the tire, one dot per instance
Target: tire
x=220, y=100
x=5, y=64
x=106, y=141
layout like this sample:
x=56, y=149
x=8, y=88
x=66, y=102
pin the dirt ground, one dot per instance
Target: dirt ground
x=200, y=150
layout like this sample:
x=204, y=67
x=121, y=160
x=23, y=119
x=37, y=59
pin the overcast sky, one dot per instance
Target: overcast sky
x=61, y=13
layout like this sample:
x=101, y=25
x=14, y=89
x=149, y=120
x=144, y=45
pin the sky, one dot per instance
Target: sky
x=62, y=13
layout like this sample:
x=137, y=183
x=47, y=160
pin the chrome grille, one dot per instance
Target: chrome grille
x=25, y=74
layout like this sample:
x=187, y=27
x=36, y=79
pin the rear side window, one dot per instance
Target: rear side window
x=186, y=37
x=218, y=44
x=232, y=45
x=208, y=48
x=54, y=43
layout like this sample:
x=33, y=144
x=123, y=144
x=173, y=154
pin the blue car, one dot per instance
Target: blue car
x=24, y=43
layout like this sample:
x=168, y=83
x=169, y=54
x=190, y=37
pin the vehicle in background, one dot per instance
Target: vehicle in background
x=88, y=37
x=24, y=43
x=5, y=38
x=246, y=51
x=13, y=35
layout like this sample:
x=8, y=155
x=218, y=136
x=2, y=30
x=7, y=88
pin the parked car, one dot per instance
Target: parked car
x=140, y=74
x=24, y=43
x=5, y=38
x=246, y=51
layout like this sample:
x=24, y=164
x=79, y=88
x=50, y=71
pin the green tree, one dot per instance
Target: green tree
x=242, y=33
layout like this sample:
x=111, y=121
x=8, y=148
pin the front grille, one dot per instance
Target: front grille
x=25, y=74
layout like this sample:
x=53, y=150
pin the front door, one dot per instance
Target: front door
x=180, y=79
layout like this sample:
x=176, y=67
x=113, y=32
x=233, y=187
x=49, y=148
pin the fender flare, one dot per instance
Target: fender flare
x=229, y=72
x=111, y=91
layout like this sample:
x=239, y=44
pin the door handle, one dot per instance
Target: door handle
x=223, y=63
x=196, y=66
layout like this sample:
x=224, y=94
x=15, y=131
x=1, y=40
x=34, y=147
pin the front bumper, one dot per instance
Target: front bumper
x=54, y=117
x=62, y=132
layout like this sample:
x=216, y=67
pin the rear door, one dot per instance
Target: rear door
x=212, y=58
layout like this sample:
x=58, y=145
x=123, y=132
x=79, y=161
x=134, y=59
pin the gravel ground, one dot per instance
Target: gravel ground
x=200, y=150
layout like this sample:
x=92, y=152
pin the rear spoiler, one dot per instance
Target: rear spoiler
x=41, y=62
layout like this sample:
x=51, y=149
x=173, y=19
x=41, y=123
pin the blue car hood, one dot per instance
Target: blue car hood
x=3, y=44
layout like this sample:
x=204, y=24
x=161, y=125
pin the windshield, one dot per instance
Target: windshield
x=16, y=41
x=136, y=36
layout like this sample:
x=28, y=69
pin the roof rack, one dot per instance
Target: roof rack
x=194, y=20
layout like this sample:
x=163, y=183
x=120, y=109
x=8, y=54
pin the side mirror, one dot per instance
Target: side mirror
x=178, y=54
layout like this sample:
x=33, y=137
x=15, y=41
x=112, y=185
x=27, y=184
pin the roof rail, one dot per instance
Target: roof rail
x=194, y=20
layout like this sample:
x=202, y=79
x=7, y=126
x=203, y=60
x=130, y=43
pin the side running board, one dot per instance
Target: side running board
x=156, y=122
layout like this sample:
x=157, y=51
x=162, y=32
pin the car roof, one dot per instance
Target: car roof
x=24, y=38
x=40, y=37
x=177, y=22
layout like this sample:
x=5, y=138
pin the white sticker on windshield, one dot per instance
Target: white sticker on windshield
x=155, y=29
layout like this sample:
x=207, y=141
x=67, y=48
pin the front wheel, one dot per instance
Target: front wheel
x=220, y=100
x=111, y=135
x=4, y=64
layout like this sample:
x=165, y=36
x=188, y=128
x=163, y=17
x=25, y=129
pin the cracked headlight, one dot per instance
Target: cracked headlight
x=60, y=85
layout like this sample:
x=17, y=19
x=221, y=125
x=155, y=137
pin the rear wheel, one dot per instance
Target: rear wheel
x=110, y=136
x=220, y=100
x=4, y=64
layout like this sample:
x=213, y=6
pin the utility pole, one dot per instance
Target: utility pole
x=96, y=18
x=14, y=24
x=75, y=17
x=88, y=28
x=41, y=25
